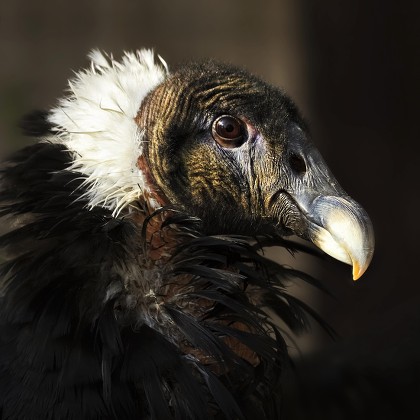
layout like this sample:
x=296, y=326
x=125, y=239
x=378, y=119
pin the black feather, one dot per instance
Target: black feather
x=36, y=124
x=74, y=341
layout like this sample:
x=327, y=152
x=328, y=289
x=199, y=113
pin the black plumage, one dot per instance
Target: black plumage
x=67, y=339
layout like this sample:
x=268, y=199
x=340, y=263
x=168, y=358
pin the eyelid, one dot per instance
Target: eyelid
x=253, y=132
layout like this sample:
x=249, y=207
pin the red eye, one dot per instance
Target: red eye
x=228, y=131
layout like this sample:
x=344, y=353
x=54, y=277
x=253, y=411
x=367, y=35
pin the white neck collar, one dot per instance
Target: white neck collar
x=96, y=122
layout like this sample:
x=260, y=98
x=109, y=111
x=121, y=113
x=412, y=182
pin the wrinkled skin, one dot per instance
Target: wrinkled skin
x=272, y=179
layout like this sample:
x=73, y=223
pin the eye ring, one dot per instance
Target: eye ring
x=229, y=131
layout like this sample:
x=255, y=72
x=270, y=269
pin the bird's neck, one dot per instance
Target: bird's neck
x=160, y=241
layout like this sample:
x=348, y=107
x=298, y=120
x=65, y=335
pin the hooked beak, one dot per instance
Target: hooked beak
x=341, y=228
x=324, y=213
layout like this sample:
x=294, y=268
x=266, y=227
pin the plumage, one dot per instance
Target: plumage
x=135, y=285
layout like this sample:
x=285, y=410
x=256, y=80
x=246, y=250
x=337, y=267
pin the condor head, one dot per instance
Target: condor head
x=234, y=151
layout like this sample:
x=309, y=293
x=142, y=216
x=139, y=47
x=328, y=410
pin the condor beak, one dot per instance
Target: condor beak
x=328, y=217
x=342, y=229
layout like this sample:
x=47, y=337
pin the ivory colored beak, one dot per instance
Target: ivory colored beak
x=342, y=229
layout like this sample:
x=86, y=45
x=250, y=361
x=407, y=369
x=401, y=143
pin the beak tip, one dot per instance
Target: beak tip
x=360, y=268
x=356, y=271
x=356, y=275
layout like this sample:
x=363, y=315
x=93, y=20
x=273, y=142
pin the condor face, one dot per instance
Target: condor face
x=232, y=150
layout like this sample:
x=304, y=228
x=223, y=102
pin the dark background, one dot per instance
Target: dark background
x=351, y=66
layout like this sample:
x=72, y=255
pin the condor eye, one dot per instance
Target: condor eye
x=229, y=131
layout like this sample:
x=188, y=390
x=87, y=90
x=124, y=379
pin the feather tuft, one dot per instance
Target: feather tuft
x=95, y=121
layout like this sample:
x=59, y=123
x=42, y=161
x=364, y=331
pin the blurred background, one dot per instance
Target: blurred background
x=350, y=65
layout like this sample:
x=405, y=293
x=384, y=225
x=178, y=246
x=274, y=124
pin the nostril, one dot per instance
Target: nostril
x=297, y=163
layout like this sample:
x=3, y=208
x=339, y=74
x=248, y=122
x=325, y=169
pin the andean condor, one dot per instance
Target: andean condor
x=134, y=286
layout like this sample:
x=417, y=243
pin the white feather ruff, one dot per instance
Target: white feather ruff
x=96, y=122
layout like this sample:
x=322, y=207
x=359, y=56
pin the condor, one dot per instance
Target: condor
x=134, y=287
